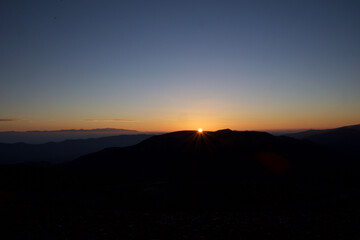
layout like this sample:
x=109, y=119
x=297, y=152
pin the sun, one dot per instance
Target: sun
x=200, y=130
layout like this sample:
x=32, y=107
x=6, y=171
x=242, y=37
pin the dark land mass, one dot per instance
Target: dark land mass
x=39, y=137
x=185, y=185
x=345, y=139
x=57, y=152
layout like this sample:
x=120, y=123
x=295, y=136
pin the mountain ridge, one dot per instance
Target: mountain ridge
x=184, y=148
x=230, y=166
x=343, y=139
x=56, y=152
x=39, y=137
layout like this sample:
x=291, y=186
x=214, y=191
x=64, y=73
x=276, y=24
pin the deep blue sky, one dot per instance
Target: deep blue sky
x=170, y=65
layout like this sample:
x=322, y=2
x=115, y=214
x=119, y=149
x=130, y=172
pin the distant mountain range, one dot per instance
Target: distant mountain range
x=56, y=152
x=344, y=139
x=186, y=169
x=38, y=137
x=225, y=166
x=168, y=153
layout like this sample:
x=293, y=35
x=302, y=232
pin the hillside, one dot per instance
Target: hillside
x=187, y=183
x=241, y=166
x=344, y=139
x=56, y=152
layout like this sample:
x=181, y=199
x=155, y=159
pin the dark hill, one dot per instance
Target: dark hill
x=56, y=152
x=238, y=166
x=209, y=183
x=344, y=139
x=41, y=137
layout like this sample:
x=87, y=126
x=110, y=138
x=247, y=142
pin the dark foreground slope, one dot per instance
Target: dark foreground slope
x=186, y=185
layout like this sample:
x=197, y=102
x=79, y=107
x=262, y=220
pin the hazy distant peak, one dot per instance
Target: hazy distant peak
x=354, y=127
x=61, y=135
x=74, y=130
x=343, y=139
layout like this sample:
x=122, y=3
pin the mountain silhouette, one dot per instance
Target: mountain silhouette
x=40, y=137
x=344, y=139
x=230, y=165
x=56, y=152
x=186, y=179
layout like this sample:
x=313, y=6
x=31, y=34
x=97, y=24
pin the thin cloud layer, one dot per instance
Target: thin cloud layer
x=110, y=120
x=8, y=119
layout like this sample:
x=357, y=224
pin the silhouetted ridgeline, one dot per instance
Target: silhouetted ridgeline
x=56, y=152
x=187, y=183
x=226, y=166
x=39, y=137
x=344, y=139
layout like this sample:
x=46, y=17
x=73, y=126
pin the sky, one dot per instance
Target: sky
x=174, y=65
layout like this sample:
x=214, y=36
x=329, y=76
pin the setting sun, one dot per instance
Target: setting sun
x=200, y=130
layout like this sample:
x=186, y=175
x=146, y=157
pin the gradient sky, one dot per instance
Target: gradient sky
x=173, y=65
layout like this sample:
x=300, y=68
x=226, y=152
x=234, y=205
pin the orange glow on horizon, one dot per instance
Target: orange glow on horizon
x=200, y=130
x=159, y=124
